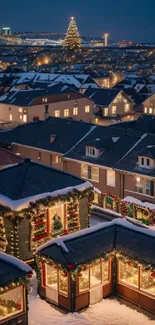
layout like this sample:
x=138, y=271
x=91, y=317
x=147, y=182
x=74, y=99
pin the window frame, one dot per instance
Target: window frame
x=112, y=183
x=66, y=112
x=126, y=107
x=25, y=118
x=18, y=312
x=102, y=283
x=114, y=107
x=106, y=111
x=137, y=288
x=75, y=111
x=87, y=109
x=57, y=113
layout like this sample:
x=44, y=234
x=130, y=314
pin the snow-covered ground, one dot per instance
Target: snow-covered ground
x=107, y=312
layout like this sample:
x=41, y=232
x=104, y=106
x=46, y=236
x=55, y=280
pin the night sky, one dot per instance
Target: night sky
x=124, y=19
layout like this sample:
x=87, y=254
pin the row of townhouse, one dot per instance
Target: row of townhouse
x=23, y=106
x=30, y=100
x=117, y=159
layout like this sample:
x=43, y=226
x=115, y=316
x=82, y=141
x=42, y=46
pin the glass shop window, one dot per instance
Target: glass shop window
x=96, y=198
x=51, y=277
x=63, y=283
x=147, y=283
x=84, y=280
x=95, y=275
x=128, y=273
x=105, y=271
x=11, y=303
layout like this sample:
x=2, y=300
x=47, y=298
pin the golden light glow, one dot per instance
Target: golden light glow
x=138, y=179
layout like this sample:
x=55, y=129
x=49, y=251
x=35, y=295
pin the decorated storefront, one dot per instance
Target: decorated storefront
x=142, y=211
x=14, y=286
x=128, y=207
x=73, y=276
x=45, y=210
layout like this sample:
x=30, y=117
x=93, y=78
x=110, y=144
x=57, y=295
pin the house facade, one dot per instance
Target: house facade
x=46, y=141
x=111, y=105
x=41, y=203
x=22, y=106
x=149, y=105
x=108, y=265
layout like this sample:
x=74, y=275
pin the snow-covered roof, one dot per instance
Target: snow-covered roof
x=17, y=205
x=15, y=262
x=61, y=241
x=138, y=202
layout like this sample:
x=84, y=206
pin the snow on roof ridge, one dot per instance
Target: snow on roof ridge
x=136, y=201
x=118, y=222
x=15, y=262
x=17, y=205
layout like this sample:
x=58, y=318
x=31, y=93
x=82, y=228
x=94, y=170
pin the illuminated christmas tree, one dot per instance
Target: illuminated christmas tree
x=72, y=40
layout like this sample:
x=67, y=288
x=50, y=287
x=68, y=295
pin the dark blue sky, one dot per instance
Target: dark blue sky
x=124, y=19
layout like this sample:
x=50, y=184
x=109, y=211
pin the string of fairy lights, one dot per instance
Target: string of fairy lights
x=12, y=306
x=36, y=213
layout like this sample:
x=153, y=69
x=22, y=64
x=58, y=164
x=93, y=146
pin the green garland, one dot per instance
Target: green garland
x=74, y=270
x=47, y=202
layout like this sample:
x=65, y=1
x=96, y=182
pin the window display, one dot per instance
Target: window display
x=52, y=277
x=147, y=281
x=63, y=283
x=95, y=275
x=11, y=302
x=105, y=271
x=128, y=273
x=84, y=280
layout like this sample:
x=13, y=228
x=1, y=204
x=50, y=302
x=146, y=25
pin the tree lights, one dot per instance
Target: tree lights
x=72, y=40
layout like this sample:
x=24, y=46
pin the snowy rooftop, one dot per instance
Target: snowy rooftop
x=89, y=243
x=11, y=269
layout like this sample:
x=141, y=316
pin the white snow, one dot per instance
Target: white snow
x=107, y=211
x=18, y=205
x=138, y=202
x=15, y=261
x=120, y=222
x=107, y=312
x=97, y=190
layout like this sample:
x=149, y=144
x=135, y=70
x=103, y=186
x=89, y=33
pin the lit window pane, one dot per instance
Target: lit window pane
x=75, y=111
x=11, y=302
x=111, y=178
x=84, y=280
x=63, y=283
x=87, y=109
x=105, y=271
x=148, y=281
x=95, y=174
x=57, y=113
x=84, y=171
x=113, y=110
x=66, y=112
x=95, y=275
x=128, y=273
x=25, y=118
x=52, y=277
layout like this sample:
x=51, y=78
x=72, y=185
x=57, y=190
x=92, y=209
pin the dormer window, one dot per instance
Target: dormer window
x=44, y=100
x=145, y=162
x=92, y=152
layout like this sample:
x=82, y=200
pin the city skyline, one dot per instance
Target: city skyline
x=133, y=21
